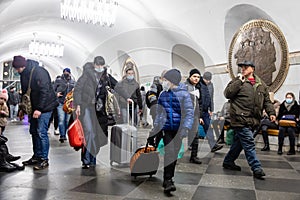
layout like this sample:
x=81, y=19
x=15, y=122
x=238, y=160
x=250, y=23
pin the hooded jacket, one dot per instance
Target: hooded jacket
x=42, y=95
x=175, y=110
x=247, y=102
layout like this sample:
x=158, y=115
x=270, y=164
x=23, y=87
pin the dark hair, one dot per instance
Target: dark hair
x=128, y=69
x=142, y=88
x=99, y=60
x=290, y=93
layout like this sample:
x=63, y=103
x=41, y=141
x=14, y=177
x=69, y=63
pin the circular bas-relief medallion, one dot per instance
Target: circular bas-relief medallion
x=261, y=42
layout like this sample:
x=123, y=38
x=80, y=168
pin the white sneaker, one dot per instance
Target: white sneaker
x=56, y=132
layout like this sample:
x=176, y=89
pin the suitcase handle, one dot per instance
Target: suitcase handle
x=132, y=112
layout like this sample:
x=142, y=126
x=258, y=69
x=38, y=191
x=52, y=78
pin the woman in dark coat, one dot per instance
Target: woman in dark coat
x=89, y=99
x=289, y=107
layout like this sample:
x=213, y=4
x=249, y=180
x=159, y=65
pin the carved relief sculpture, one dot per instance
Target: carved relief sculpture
x=261, y=42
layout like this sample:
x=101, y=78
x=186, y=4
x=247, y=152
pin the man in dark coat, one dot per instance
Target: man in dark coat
x=62, y=86
x=248, y=96
x=89, y=99
x=43, y=101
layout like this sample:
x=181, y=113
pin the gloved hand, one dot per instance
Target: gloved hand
x=151, y=141
x=183, y=132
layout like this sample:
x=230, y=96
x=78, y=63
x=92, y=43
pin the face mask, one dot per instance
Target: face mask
x=66, y=76
x=166, y=86
x=99, y=69
x=288, y=101
x=130, y=77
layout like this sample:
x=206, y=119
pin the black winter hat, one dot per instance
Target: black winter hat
x=194, y=71
x=18, y=62
x=173, y=75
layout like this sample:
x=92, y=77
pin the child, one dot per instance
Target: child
x=175, y=117
x=4, y=112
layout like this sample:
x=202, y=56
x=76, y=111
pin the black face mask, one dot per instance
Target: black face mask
x=66, y=76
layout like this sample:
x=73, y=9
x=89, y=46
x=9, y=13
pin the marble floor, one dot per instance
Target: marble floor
x=65, y=179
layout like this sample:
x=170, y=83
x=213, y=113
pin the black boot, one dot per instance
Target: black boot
x=266, y=141
x=9, y=157
x=194, y=152
x=4, y=165
x=292, y=150
x=280, y=144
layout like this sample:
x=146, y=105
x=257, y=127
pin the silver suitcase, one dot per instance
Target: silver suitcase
x=123, y=141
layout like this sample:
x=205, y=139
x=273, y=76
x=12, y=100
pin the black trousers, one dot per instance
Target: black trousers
x=172, y=143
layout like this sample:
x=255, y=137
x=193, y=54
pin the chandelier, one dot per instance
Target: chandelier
x=97, y=12
x=40, y=48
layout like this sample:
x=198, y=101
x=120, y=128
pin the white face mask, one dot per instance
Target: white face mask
x=99, y=69
x=166, y=85
x=130, y=77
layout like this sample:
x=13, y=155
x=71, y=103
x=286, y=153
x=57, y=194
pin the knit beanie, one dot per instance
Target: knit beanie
x=67, y=70
x=194, y=71
x=18, y=62
x=207, y=76
x=4, y=94
x=173, y=75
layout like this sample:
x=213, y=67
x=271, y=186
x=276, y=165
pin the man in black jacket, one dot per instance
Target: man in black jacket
x=43, y=101
x=62, y=86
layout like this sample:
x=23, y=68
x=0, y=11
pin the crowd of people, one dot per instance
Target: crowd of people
x=177, y=109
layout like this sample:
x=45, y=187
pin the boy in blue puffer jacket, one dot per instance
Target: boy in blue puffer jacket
x=175, y=117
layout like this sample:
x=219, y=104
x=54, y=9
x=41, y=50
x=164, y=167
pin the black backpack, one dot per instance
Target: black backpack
x=147, y=99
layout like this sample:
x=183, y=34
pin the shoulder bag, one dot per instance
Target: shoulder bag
x=25, y=104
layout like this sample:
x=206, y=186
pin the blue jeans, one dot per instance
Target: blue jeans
x=39, y=132
x=243, y=139
x=63, y=120
x=13, y=111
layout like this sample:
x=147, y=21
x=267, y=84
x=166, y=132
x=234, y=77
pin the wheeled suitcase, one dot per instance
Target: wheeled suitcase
x=145, y=161
x=123, y=142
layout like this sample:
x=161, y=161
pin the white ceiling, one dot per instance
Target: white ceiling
x=146, y=30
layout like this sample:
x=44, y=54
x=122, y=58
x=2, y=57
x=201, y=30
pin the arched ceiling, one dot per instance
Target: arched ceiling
x=145, y=30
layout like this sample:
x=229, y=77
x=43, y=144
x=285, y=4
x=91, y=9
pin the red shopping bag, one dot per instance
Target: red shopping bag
x=75, y=134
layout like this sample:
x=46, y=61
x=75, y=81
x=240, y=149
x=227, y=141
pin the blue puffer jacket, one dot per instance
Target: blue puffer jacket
x=175, y=110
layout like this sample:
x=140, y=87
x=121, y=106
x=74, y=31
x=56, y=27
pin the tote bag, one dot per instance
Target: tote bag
x=75, y=134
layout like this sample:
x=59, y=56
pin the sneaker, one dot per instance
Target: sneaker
x=217, y=147
x=42, y=165
x=56, y=132
x=31, y=161
x=169, y=186
x=232, y=166
x=85, y=166
x=259, y=173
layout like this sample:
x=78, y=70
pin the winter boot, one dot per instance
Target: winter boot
x=4, y=165
x=280, y=144
x=9, y=157
x=194, y=152
x=266, y=141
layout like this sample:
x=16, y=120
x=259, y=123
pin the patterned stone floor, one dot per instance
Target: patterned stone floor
x=64, y=179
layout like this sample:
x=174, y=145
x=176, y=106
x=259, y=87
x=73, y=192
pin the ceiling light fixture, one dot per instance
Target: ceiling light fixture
x=97, y=12
x=53, y=49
